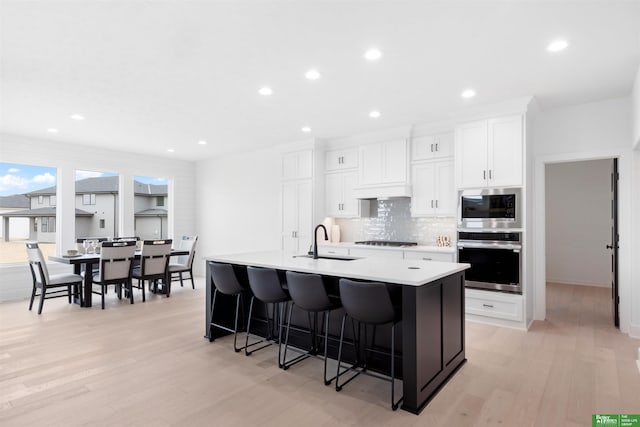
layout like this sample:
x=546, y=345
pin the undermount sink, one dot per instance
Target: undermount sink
x=336, y=258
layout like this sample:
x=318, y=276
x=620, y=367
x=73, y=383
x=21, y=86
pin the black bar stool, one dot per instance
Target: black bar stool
x=226, y=282
x=266, y=287
x=308, y=293
x=370, y=304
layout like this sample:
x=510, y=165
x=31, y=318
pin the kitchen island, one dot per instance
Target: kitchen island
x=432, y=300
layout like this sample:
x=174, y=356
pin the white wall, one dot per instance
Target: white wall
x=596, y=130
x=635, y=95
x=238, y=204
x=578, y=196
x=66, y=158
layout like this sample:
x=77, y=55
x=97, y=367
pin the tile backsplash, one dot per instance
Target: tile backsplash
x=394, y=222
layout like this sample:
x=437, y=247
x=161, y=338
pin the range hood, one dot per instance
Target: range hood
x=382, y=191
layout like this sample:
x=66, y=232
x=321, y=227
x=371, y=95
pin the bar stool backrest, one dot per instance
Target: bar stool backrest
x=367, y=302
x=265, y=284
x=224, y=279
x=307, y=291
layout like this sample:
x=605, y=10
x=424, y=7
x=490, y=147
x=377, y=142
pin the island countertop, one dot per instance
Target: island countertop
x=398, y=271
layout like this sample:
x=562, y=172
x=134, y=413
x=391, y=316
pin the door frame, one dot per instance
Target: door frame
x=624, y=228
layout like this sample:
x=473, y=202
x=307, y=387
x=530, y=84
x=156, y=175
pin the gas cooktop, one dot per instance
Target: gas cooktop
x=385, y=243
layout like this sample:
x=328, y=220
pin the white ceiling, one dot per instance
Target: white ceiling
x=153, y=75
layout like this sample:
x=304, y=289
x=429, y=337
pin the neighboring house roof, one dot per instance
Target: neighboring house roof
x=48, y=211
x=106, y=184
x=15, y=201
x=152, y=212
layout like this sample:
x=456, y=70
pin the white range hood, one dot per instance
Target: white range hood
x=384, y=191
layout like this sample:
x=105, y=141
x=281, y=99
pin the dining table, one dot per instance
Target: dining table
x=85, y=262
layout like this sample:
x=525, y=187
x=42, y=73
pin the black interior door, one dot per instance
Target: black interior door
x=615, y=299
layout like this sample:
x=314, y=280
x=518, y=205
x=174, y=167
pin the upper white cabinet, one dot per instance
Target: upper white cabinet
x=433, y=189
x=336, y=160
x=383, y=163
x=432, y=147
x=297, y=164
x=340, y=201
x=488, y=153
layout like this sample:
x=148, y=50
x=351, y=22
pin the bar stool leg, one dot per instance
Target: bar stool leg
x=235, y=334
x=213, y=304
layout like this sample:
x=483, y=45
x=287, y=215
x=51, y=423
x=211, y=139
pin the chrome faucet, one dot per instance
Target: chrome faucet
x=315, y=239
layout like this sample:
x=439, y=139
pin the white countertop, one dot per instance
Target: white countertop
x=418, y=248
x=375, y=269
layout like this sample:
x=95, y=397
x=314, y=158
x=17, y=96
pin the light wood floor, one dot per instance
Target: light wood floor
x=148, y=364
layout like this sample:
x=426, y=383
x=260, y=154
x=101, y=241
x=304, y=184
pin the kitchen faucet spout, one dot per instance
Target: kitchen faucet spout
x=315, y=239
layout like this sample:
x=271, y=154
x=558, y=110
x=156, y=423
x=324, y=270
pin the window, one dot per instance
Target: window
x=88, y=199
x=48, y=224
x=102, y=223
x=52, y=200
x=23, y=189
x=160, y=201
x=150, y=207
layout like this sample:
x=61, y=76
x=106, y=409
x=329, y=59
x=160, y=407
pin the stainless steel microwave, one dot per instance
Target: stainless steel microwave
x=490, y=208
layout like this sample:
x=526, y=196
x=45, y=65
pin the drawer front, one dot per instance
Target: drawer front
x=500, y=306
x=375, y=253
x=429, y=256
x=327, y=250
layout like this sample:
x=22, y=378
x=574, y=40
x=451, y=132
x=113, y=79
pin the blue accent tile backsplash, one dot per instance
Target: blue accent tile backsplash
x=394, y=222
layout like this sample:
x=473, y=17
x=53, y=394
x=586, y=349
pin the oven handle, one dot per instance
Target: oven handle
x=484, y=245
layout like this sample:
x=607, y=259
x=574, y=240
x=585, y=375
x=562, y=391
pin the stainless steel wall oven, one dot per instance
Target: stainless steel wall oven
x=495, y=258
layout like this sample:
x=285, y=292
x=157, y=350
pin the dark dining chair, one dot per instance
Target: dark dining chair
x=50, y=285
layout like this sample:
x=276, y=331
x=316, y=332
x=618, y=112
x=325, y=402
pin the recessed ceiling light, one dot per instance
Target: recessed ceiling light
x=468, y=93
x=373, y=55
x=52, y=130
x=306, y=129
x=202, y=142
x=171, y=150
x=374, y=114
x=312, y=74
x=557, y=45
x=265, y=91
x=77, y=117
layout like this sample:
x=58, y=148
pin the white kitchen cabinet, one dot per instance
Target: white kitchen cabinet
x=336, y=160
x=488, y=153
x=340, y=201
x=332, y=250
x=375, y=253
x=430, y=256
x=297, y=216
x=432, y=147
x=383, y=163
x=433, y=189
x=497, y=305
x=297, y=164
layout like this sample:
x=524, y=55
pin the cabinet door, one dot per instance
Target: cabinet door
x=445, y=196
x=289, y=216
x=422, y=147
x=371, y=164
x=443, y=145
x=394, y=161
x=305, y=215
x=289, y=165
x=341, y=159
x=333, y=194
x=297, y=164
x=471, y=155
x=505, y=151
x=376, y=253
x=350, y=205
x=422, y=201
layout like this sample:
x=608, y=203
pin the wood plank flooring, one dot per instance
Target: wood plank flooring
x=148, y=364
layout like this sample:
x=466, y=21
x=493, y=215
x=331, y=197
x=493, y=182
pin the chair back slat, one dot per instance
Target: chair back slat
x=37, y=263
x=115, y=260
x=155, y=256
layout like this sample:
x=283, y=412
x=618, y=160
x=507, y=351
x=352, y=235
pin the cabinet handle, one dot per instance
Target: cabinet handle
x=427, y=259
x=331, y=252
x=490, y=174
x=436, y=146
x=436, y=204
x=432, y=148
x=487, y=305
x=484, y=174
x=432, y=203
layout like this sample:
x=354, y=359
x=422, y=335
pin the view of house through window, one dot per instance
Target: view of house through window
x=96, y=204
x=27, y=210
x=150, y=207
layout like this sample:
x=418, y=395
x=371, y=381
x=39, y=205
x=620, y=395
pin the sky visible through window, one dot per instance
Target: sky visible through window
x=20, y=178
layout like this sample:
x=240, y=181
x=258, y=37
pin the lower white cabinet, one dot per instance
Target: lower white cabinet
x=371, y=253
x=332, y=250
x=430, y=256
x=495, y=305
